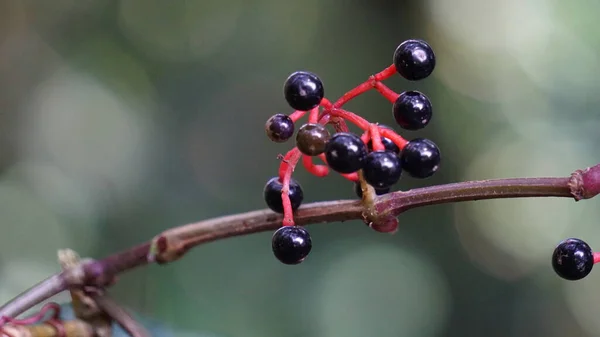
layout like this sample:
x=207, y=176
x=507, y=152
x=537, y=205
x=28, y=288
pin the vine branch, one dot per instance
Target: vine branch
x=173, y=243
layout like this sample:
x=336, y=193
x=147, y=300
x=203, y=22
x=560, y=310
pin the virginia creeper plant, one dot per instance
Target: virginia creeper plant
x=374, y=161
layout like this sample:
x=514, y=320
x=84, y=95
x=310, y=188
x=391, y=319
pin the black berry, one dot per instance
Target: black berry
x=345, y=152
x=414, y=60
x=272, y=194
x=382, y=169
x=420, y=158
x=312, y=138
x=573, y=259
x=378, y=191
x=412, y=110
x=291, y=244
x=303, y=90
x=279, y=128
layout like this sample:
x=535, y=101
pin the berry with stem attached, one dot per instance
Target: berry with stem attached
x=303, y=90
x=291, y=244
x=279, y=128
x=345, y=152
x=414, y=60
x=312, y=138
x=573, y=259
x=420, y=158
x=382, y=169
x=272, y=194
x=412, y=110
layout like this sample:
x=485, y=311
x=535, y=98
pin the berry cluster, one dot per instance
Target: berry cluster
x=573, y=259
x=374, y=160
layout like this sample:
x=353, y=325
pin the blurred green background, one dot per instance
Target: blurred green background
x=120, y=119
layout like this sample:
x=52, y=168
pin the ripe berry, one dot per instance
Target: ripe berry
x=312, y=138
x=272, y=194
x=573, y=259
x=345, y=152
x=412, y=110
x=382, y=169
x=303, y=90
x=420, y=158
x=414, y=60
x=378, y=191
x=279, y=128
x=291, y=244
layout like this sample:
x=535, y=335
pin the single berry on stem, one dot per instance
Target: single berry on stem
x=414, y=59
x=412, y=110
x=345, y=152
x=382, y=169
x=272, y=194
x=312, y=138
x=291, y=244
x=279, y=128
x=573, y=259
x=378, y=191
x=303, y=90
x=420, y=158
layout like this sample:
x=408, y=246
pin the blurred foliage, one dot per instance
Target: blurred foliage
x=120, y=119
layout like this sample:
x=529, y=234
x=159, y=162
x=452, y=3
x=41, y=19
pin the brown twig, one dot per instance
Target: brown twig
x=381, y=214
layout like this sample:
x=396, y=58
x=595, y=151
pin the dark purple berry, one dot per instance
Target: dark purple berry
x=312, y=138
x=412, y=110
x=272, y=194
x=303, y=90
x=573, y=259
x=279, y=128
x=420, y=158
x=414, y=60
x=291, y=244
x=345, y=152
x=382, y=169
x=378, y=191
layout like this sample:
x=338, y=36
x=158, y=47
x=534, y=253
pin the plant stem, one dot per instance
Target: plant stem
x=172, y=244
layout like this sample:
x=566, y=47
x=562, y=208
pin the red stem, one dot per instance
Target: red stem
x=285, y=175
x=385, y=73
x=296, y=115
x=317, y=170
x=394, y=137
x=351, y=117
x=376, y=138
x=386, y=92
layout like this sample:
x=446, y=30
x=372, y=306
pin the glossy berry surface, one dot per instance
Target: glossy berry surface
x=573, y=259
x=382, y=169
x=291, y=244
x=412, y=110
x=345, y=152
x=420, y=158
x=414, y=60
x=378, y=191
x=303, y=90
x=312, y=139
x=272, y=194
x=279, y=128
